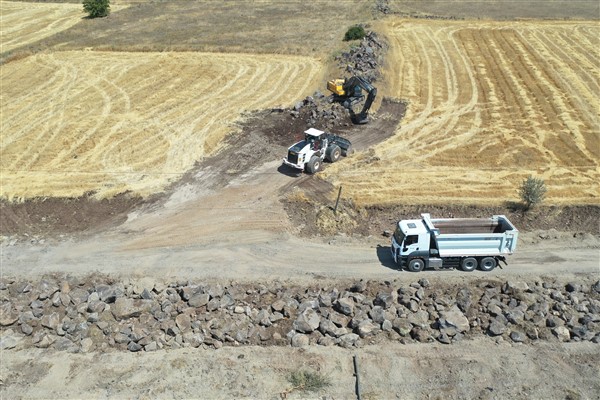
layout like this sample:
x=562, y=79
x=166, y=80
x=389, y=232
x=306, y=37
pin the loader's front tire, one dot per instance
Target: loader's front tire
x=334, y=153
x=314, y=165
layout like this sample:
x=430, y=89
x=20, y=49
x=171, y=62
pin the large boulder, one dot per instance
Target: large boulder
x=367, y=328
x=307, y=321
x=125, y=308
x=7, y=315
x=454, y=318
x=300, y=340
x=345, y=306
x=198, y=300
x=349, y=340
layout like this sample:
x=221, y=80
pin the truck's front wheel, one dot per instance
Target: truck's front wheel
x=468, y=264
x=416, y=265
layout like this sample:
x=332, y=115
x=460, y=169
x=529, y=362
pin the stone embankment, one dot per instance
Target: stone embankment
x=97, y=314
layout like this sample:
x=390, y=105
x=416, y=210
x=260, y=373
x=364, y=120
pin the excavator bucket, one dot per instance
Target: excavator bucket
x=360, y=119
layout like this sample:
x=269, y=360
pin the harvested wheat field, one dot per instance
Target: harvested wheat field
x=75, y=122
x=25, y=25
x=489, y=104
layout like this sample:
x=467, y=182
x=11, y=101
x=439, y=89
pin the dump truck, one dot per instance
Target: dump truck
x=465, y=243
x=317, y=146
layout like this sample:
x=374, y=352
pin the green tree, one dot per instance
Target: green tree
x=354, y=33
x=532, y=191
x=96, y=8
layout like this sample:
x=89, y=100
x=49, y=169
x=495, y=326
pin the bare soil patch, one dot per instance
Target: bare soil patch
x=312, y=211
x=53, y=217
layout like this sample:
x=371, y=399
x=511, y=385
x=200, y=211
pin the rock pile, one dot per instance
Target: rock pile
x=99, y=315
x=383, y=7
x=363, y=60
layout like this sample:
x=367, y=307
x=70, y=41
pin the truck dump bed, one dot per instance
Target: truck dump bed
x=495, y=236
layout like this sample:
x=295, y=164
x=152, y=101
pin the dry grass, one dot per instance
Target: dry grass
x=489, y=104
x=312, y=28
x=27, y=23
x=498, y=9
x=75, y=122
x=308, y=381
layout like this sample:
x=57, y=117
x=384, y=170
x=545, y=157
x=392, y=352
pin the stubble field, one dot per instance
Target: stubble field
x=489, y=104
x=25, y=25
x=77, y=122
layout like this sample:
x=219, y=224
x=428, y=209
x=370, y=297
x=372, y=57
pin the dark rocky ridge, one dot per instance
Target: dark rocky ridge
x=97, y=314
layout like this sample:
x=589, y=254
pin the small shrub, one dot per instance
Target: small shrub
x=532, y=191
x=354, y=33
x=96, y=8
x=307, y=381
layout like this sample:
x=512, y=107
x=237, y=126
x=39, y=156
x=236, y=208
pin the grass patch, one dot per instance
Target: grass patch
x=307, y=381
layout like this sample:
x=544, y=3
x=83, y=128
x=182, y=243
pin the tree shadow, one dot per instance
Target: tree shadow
x=516, y=206
x=384, y=254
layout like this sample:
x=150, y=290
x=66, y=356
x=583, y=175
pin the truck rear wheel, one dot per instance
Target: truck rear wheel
x=334, y=153
x=468, y=264
x=487, y=264
x=416, y=265
x=313, y=165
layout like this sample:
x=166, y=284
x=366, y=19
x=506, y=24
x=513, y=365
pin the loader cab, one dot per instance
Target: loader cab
x=315, y=138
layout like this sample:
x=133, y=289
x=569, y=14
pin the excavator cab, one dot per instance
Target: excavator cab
x=336, y=86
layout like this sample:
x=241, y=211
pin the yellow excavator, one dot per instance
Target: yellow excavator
x=349, y=91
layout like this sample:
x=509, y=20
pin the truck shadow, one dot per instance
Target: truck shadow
x=384, y=254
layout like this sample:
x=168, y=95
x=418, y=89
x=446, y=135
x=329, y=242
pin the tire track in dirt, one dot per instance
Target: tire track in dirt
x=113, y=122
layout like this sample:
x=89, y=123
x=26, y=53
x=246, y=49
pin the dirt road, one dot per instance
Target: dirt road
x=242, y=231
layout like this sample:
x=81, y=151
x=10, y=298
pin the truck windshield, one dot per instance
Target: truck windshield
x=398, y=235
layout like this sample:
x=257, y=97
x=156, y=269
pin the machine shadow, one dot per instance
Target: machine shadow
x=289, y=171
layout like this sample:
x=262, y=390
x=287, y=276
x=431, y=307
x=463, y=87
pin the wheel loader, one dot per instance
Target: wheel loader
x=309, y=154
